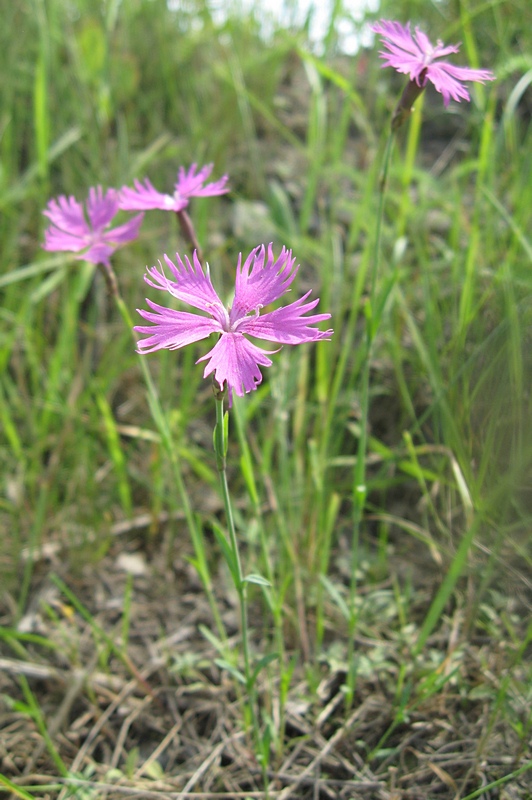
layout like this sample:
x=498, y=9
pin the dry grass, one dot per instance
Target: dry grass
x=165, y=721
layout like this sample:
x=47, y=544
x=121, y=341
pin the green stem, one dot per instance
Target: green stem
x=220, y=446
x=359, y=483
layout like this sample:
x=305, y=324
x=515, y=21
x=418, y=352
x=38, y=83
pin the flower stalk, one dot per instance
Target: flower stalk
x=220, y=439
x=187, y=229
x=404, y=107
x=359, y=481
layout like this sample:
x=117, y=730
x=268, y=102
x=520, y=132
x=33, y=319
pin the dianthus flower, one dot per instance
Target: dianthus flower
x=417, y=57
x=189, y=184
x=73, y=231
x=234, y=360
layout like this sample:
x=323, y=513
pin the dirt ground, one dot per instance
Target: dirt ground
x=164, y=721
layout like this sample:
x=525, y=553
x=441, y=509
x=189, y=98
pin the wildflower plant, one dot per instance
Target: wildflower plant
x=413, y=55
x=235, y=363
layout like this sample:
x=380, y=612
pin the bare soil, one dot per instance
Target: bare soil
x=164, y=721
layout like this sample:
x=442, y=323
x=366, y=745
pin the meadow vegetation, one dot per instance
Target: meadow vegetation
x=403, y=636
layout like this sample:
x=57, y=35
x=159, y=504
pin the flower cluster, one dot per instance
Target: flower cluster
x=260, y=280
x=89, y=234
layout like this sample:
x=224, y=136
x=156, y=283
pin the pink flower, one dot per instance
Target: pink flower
x=416, y=56
x=144, y=197
x=233, y=359
x=70, y=230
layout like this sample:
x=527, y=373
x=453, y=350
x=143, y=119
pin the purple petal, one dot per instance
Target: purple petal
x=440, y=50
x=172, y=329
x=445, y=84
x=101, y=208
x=192, y=285
x=124, y=233
x=407, y=65
x=447, y=79
x=398, y=36
x=287, y=325
x=55, y=239
x=189, y=184
x=236, y=360
x=67, y=215
x=258, y=284
x=144, y=197
x=469, y=74
x=98, y=253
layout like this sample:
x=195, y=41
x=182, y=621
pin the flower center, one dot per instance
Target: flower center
x=171, y=199
x=93, y=237
x=428, y=57
x=234, y=322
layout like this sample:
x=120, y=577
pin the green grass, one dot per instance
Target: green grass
x=100, y=93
